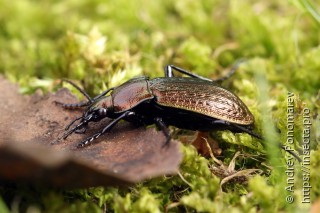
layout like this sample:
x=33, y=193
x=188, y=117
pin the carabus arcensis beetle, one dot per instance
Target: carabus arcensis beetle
x=193, y=103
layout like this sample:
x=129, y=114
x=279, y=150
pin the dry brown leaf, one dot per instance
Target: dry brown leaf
x=29, y=124
x=200, y=140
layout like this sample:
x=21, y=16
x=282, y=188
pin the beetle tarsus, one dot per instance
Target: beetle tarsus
x=88, y=141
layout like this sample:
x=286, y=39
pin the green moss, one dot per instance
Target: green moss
x=3, y=207
x=102, y=43
x=314, y=176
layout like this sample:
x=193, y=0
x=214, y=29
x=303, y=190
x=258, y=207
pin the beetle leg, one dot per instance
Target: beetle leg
x=70, y=131
x=72, y=122
x=240, y=128
x=78, y=130
x=89, y=140
x=231, y=72
x=164, y=128
x=169, y=72
x=243, y=129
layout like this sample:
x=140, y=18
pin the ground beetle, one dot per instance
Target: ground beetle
x=194, y=103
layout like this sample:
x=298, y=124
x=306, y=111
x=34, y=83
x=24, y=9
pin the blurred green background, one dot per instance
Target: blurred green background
x=102, y=43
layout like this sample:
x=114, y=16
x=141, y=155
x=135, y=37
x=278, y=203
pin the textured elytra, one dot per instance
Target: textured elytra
x=203, y=97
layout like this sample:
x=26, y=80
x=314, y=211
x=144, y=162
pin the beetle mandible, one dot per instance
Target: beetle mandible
x=193, y=103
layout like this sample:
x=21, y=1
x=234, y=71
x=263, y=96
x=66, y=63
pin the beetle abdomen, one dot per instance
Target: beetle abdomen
x=202, y=97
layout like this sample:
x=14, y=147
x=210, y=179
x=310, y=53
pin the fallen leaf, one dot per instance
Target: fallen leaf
x=29, y=124
x=200, y=140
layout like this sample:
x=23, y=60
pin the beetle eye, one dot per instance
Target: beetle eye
x=102, y=112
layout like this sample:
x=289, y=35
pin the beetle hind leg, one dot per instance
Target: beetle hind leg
x=248, y=131
x=169, y=72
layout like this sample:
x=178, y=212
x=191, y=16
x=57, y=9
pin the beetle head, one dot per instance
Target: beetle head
x=94, y=114
x=100, y=108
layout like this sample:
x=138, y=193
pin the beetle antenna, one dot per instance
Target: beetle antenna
x=79, y=89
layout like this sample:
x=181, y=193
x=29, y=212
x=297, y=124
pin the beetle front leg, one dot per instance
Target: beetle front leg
x=72, y=122
x=89, y=140
x=164, y=128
